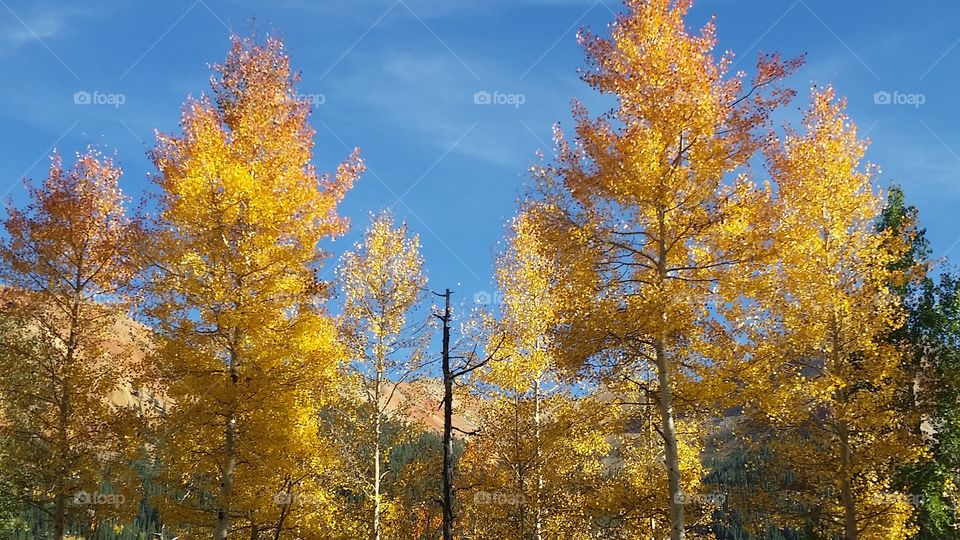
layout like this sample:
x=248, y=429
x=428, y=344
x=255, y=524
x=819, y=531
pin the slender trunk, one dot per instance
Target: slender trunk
x=283, y=515
x=63, y=419
x=538, y=509
x=226, y=485
x=222, y=528
x=377, y=428
x=60, y=502
x=837, y=356
x=59, y=511
x=665, y=402
x=447, y=426
x=846, y=485
x=254, y=530
x=670, y=444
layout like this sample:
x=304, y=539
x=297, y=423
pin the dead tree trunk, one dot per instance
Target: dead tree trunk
x=448, y=375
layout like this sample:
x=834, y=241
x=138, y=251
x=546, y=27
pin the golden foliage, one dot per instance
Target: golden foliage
x=246, y=348
x=67, y=263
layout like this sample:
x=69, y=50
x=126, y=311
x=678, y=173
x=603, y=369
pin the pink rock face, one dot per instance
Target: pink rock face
x=420, y=402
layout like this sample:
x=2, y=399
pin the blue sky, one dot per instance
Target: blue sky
x=398, y=79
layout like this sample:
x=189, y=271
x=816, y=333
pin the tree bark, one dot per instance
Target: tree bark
x=670, y=444
x=60, y=501
x=278, y=530
x=665, y=403
x=377, y=428
x=222, y=528
x=447, y=480
x=63, y=417
x=850, y=529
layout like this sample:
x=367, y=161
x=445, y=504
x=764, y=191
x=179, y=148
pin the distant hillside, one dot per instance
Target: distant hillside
x=418, y=401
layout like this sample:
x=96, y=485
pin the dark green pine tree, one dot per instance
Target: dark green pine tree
x=931, y=341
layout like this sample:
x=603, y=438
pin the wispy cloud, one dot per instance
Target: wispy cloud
x=41, y=21
x=433, y=97
x=13, y=34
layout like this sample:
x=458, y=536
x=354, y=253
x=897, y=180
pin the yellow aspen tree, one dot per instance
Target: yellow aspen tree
x=246, y=349
x=658, y=195
x=66, y=265
x=823, y=373
x=542, y=442
x=383, y=284
x=527, y=486
x=529, y=312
